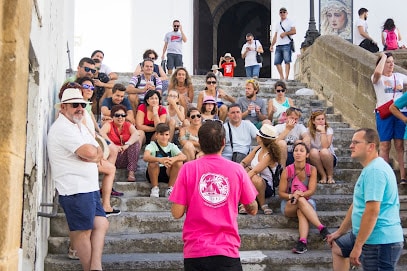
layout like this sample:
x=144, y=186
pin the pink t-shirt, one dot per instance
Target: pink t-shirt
x=211, y=188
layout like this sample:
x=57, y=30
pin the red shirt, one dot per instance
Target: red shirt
x=119, y=137
x=228, y=69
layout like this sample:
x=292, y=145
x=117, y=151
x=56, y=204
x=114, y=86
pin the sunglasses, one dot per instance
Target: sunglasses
x=195, y=116
x=211, y=82
x=117, y=115
x=90, y=87
x=176, y=25
x=281, y=12
x=216, y=120
x=295, y=109
x=280, y=90
x=87, y=69
x=75, y=105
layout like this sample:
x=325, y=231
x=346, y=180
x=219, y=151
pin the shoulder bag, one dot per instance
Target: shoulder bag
x=259, y=57
x=292, y=45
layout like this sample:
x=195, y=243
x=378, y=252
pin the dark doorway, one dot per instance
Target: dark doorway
x=224, y=29
x=235, y=23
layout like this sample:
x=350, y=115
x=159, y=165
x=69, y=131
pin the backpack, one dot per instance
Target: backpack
x=391, y=40
x=276, y=177
x=139, y=80
x=291, y=175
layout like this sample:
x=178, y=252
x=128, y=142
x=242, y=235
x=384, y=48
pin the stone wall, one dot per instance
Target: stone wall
x=341, y=72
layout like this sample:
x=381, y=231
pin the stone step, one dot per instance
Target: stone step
x=267, y=260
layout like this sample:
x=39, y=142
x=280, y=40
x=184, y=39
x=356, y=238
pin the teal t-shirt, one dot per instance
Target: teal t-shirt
x=377, y=182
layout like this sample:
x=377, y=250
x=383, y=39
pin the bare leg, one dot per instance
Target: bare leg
x=189, y=150
x=303, y=226
x=172, y=124
x=100, y=227
x=81, y=242
x=280, y=71
x=223, y=112
x=261, y=188
x=173, y=172
x=308, y=211
x=384, y=150
x=153, y=172
x=287, y=70
x=134, y=101
x=399, y=146
x=327, y=160
x=315, y=159
x=109, y=171
x=339, y=262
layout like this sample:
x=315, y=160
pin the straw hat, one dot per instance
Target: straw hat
x=267, y=131
x=71, y=95
x=214, y=67
x=209, y=100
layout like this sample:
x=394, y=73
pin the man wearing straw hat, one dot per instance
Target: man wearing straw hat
x=73, y=153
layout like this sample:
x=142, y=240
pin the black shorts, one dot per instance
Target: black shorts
x=162, y=176
x=213, y=263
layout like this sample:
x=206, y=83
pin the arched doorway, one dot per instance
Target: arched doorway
x=221, y=26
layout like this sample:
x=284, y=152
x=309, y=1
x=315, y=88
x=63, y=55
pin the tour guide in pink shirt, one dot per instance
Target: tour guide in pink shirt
x=209, y=190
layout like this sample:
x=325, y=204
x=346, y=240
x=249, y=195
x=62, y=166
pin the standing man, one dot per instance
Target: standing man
x=282, y=37
x=173, y=46
x=239, y=135
x=73, y=155
x=361, y=34
x=209, y=195
x=249, y=52
x=376, y=237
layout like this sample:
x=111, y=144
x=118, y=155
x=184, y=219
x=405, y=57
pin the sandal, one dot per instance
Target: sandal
x=266, y=209
x=323, y=181
x=242, y=210
x=131, y=177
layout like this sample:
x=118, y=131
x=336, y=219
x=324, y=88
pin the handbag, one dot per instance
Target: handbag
x=384, y=109
x=292, y=45
x=259, y=57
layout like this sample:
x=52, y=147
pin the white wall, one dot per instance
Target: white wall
x=126, y=28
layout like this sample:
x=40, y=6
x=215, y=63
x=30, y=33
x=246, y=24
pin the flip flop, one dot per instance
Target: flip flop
x=242, y=210
x=266, y=209
x=323, y=181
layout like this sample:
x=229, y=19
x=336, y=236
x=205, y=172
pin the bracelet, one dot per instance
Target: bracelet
x=244, y=164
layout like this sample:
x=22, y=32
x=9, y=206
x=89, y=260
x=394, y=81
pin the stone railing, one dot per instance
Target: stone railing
x=341, y=72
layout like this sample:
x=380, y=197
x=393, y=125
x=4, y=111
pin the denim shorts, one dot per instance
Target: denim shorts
x=283, y=52
x=252, y=71
x=81, y=209
x=310, y=201
x=390, y=128
x=374, y=257
x=174, y=61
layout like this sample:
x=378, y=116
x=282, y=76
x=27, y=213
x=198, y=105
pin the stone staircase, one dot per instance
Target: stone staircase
x=146, y=237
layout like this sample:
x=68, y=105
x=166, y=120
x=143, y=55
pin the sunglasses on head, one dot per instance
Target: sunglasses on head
x=87, y=69
x=295, y=109
x=86, y=86
x=280, y=90
x=211, y=82
x=75, y=105
x=117, y=115
x=195, y=116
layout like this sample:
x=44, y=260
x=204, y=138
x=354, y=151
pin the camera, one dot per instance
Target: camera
x=103, y=77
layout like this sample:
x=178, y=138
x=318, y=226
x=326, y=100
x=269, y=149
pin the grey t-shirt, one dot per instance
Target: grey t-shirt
x=242, y=137
x=174, y=40
x=244, y=104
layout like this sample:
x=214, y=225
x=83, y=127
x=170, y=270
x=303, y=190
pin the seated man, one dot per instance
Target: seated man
x=117, y=98
x=164, y=160
x=239, y=135
x=140, y=84
x=290, y=133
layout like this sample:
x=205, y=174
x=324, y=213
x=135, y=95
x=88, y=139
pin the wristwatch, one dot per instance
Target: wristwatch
x=126, y=143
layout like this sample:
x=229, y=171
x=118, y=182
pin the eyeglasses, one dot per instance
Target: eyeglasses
x=90, y=87
x=280, y=90
x=281, y=12
x=355, y=142
x=195, y=116
x=295, y=109
x=211, y=82
x=117, y=115
x=87, y=69
x=75, y=105
x=219, y=121
x=173, y=96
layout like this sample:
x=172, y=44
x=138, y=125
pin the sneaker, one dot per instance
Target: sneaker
x=168, y=192
x=116, y=193
x=72, y=254
x=300, y=248
x=113, y=213
x=155, y=192
x=324, y=233
x=403, y=181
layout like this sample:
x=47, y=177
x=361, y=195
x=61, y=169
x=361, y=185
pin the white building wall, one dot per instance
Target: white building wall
x=51, y=28
x=127, y=27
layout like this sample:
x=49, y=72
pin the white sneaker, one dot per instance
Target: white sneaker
x=155, y=192
x=168, y=192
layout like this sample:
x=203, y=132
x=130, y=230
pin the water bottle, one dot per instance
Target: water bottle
x=253, y=111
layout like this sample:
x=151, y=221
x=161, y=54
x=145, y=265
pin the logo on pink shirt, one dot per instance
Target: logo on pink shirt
x=214, y=188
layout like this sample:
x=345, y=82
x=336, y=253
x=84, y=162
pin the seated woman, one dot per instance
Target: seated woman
x=182, y=82
x=297, y=184
x=277, y=106
x=175, y=114
x=322, y=154
x=209, y=110
x=149, y=114
x=262, y=166
x=212, y=90
x=188, y=136
x=158, y=70
x=125, y=138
